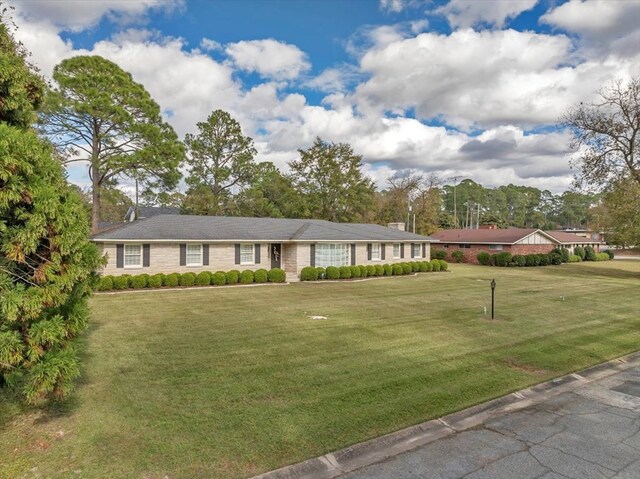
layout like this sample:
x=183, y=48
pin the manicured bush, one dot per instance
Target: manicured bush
x=530, y=260
x=363, y=271
x=589, y=253
x=579, y=250
x=246, y=277
x=171, y=280
x=232, y=276
x=155, y=281
x=483, y=258
x=187, y=279
x=260, y=276
x=379, y=270
x=435, y=265
x=345, y=272
x=544, y=259
x=415, y=266
x=518, y=260
x=429, y=266
x=139, y=281
x=277, y=275
x=388, y=270
x=121, y=282
x=423, y=266
x=355, y=271
x=444, y=266
x=219, y=278
x=503, y=259
x=602, y=257
x=371, y=270
x=309, y=273
x=564, y=252
x=203, y=278
x=439, y=254
x=406, y=268
x=555, y=257
x=333, y=272
x=574, y=258
x=322, y=274
x=397, y=269
x=105, y=283
x=610, y=253
x=457, y=256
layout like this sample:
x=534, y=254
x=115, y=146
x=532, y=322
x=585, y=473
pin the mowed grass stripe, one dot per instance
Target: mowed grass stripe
x=232, y=382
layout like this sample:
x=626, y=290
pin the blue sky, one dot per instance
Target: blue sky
x=454, y=88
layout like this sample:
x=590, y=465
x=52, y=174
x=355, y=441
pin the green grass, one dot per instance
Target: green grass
x=236, y=381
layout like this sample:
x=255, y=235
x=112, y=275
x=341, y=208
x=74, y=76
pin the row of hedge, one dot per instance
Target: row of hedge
x=311, y=273
x=161, y=280
x=555, y=257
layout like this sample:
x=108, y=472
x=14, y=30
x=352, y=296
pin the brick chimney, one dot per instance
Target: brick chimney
x=396, y=226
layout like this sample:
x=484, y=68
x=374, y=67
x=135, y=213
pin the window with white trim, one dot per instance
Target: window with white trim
x=396, y=250
x=247, y=252
x=332, y=254
x=375, y=251
x=417, y=250
x=133, y=256
x=497, y=247
x=194, y=254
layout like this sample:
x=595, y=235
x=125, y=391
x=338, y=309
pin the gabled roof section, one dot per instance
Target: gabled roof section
x=487, y=236
x=223, y=228
x=149, y=211
x=570, y=238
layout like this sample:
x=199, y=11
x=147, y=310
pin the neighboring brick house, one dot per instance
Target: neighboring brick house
x=182, y=243
x=571, y=240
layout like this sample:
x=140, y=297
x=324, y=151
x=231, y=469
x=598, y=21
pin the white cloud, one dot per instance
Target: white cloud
x=210, y=45
x=470, y=13
x=269, y=58
x=393, y=5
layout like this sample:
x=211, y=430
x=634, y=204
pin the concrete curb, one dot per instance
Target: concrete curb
x=375, y=450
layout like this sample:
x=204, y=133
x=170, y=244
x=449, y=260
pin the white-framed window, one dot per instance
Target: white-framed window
x=417, y=250
x=375, y=251
x=497, y=247
x=247, y=252
x=194, y=254
x=133, y=256
x=333, y=254
x=396, y=250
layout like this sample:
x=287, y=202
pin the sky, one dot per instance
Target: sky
x=459, y=88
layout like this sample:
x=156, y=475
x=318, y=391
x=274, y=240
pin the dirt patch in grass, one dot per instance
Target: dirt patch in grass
x=527, y=368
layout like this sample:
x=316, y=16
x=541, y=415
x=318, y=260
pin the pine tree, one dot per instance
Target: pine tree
x=47, y=263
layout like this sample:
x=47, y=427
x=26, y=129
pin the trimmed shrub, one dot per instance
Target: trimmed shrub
x=530, y=260
x=555, y=257
x=518, y=260
x=139, y=281
x=260, y=276
x=232, y=276
x=396, y=269
x=203, y=278
x=106, y=283
x=155, y=281
x=333, y=272
x=388, y=270
x=322, y=274
x=171, y=280
x=120, y=282
x=355, y=271
x=602, y=257
x=439, y=254
x=345, y=272
x=309, y=273
x=458, y=256
x=246, y=277
x=363, y=271
x=379, y=270
x=415, y=266
x=483, y=258
x=610, y=253
x=544, y=259
x=429, y=266
x=435, y=265
x=187, y=279
x=444, y=266
x=574, y=258
x=589, y=253
x=371, y=270
x=406, y=268
x=503, y=259
x=423, y=266
x=564, y=253
x=579, y=250
x=219, y=278
x=277, y=275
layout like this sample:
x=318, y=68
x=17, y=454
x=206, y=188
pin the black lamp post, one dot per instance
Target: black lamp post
x=493, y=292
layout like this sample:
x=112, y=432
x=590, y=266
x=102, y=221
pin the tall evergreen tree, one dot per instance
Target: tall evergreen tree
x=46, y=260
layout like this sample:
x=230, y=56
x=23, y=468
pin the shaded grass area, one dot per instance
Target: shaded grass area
x=233, y=382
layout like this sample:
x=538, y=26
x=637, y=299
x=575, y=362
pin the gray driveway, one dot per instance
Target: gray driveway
x=591, y=431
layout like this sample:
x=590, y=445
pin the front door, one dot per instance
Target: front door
x=276, y=255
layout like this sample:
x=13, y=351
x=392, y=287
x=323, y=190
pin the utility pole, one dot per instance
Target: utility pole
x=455, y=203
x=478, y=219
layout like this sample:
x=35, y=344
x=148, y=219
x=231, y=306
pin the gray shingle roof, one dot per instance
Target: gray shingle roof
x=221, y=228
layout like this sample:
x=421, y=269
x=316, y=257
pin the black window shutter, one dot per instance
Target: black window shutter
x=312, y=259
x=412, y=250
x=369, y=251
x=237, y=253
x=424, y=250
x=183, y=254
x=383, y=253
x=353, y=254
x=146, y=253
x=205, y=255
x=257, y=256
x=401, y=250
x=119, y=256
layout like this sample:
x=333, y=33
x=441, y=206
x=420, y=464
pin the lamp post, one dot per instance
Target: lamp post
x=493, y=291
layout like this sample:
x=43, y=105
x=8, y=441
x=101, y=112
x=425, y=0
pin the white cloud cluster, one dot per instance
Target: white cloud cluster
x=471, y=13
x=269, y=58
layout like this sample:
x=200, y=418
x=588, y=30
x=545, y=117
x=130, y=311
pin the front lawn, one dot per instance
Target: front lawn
x=232, y=382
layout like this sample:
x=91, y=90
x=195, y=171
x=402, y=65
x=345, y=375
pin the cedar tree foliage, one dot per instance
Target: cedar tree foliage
x=98, y=114
x=46, y=259
x=606, y=134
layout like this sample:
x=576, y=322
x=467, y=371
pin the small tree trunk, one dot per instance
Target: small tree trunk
x=95, y=206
